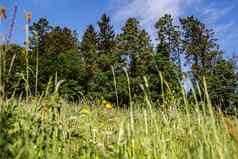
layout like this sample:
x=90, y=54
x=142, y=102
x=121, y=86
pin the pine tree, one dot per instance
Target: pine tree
x=207, y=61
x=38, y=31
x=134, y=42
x=134, y=46
x=200, y=46
x=103, y=86
x=106, y=36
x=88, y=50
x=169, y=37
x=168, y=50
x=222, y=83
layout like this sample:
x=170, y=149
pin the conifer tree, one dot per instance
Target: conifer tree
x=200, y=46
x=207, y=61
x=106, y=35
x=168, y=50
x=88, y=50
x=106, y=58
x=38, y=31
x=169, y=37
x=134, y=43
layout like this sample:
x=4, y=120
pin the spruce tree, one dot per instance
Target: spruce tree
x=88, y=51
x=134, y=46
x=106, y=58
x=106, y=36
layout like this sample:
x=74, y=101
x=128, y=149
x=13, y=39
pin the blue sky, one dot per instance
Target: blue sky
x=220, y=15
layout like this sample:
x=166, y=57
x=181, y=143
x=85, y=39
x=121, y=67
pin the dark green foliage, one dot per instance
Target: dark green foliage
x=65, y=66
x=203, y=53
x=85, y=65
x=88, y=51
x=60, y=40
x=169, y=38
x=39, y=30
x=102, y=84
x=223, y=83
x=200, y=45
x=169, y=50
x=106, y=35
x=15, y=61
x=135, y=50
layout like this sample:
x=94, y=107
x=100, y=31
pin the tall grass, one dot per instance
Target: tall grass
x=50, y=129
x=27, y=43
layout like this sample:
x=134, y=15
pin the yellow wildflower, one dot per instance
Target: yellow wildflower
x=108, y=105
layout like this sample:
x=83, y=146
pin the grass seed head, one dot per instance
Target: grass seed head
x=3, y=14
x=28, y=16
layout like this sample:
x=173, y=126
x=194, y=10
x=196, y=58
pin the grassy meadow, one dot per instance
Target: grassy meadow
x=50, y=128
x=37, y=122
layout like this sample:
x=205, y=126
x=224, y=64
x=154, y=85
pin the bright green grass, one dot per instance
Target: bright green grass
x=36, y=130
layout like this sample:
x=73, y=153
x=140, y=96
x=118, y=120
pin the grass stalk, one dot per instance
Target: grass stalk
x=27, y=59
x=115, y=84
x=37, y=62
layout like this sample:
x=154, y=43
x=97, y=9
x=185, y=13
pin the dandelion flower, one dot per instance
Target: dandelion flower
x=3, y=13
x=108, y=106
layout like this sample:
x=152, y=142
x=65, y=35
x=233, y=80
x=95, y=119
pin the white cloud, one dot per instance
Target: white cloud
x=214, y=14
x=147, y=11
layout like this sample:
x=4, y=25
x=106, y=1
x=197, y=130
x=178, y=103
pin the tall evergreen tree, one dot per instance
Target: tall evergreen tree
x=88, y=50
x=207, y=60
x=168, y=50
x=106, y=36
x=169, y=38
x=38, y=31
x=222, y=83
x=134, y=43
x=200, y=45
x=106, y=57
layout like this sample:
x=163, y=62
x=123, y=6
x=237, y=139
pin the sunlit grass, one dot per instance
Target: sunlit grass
x=48, y=129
